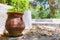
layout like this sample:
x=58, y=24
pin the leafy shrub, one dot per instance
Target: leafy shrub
x=19, y=5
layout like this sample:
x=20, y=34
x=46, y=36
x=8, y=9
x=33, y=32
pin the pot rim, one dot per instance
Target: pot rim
x=20, y=13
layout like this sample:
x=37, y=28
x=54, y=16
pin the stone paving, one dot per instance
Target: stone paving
x=35, y=34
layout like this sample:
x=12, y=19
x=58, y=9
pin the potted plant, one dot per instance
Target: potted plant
x=14, y=23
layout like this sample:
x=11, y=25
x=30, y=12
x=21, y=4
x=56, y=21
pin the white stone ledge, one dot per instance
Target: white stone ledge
x=46, y=21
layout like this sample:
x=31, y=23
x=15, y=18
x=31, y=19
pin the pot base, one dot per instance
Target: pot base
x=15, y=35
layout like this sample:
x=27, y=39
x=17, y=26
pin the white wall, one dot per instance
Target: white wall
x=28, y=19
x=3, y=16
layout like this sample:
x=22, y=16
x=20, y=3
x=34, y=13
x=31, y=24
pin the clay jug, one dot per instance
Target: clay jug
x=14, y=23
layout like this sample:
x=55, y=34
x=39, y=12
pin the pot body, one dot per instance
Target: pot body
x=14, y=23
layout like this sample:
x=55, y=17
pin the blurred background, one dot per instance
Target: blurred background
x=41, y=9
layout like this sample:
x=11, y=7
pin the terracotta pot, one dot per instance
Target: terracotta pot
x=14, y=23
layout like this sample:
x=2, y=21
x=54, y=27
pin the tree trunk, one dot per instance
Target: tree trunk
x=51, y=2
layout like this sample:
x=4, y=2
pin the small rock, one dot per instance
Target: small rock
x=59, y=39
x=54, y=39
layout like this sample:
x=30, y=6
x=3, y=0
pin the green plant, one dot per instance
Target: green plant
x=3, y=1
x=34, y=10
x=19, y=5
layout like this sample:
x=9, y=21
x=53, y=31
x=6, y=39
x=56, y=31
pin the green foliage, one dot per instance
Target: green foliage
x=35, y=10
x=39, y=12
x=3, y=1
x=56, y=14
x=19, y=5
